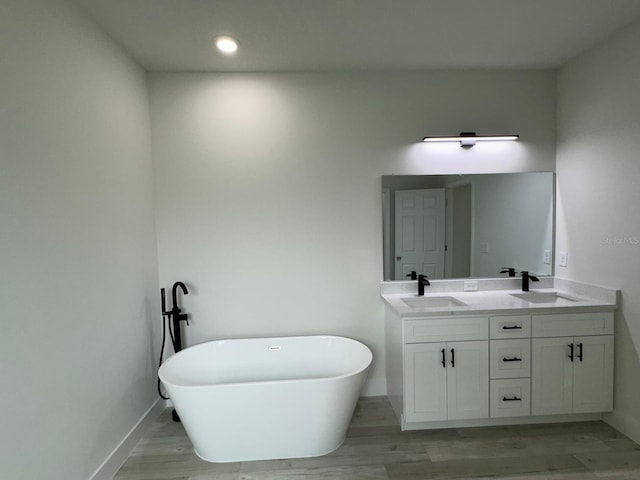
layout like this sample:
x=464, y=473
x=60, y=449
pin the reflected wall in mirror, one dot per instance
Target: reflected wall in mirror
x=459, y=226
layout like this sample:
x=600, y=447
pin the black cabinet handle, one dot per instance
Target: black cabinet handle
x=570, y=356
x=514, y=327
x=453, y=358
x=512, y=399
x=444, y=359
x=579, y=351
x=514, y=359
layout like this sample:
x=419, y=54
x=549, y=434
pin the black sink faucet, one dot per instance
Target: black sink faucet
x=525, y=280
x=422, y=281
x=510, y=270
x=412, y=274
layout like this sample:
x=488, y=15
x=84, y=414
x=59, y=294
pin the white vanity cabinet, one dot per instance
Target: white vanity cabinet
x=446, y=381
x=498, y=369
x=572, y=363
x=444, y=367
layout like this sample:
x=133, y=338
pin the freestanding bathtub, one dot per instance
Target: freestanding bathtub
x=266, y=398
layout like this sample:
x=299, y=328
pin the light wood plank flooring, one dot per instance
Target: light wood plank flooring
x=376, y=449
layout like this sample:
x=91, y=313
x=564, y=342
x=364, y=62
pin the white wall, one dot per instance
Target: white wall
x=268, y=185
x=598, y=172
x=77, y=244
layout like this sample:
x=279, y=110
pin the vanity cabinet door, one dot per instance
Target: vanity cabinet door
x=468, y=380
x=425, y=382
x=572, y=375
x=446, y=381
x=551, y=376
x=593, y=374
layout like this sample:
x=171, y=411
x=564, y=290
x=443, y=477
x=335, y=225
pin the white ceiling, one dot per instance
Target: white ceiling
x=359, y=34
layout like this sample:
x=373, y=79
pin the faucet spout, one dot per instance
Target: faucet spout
x=509, y=270
x=174, y=293
x=422, y=281
x=176, y=316
x=525, y=280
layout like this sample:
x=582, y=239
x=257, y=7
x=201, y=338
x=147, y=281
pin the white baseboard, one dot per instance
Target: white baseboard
x=116, y=459
x=630, y=426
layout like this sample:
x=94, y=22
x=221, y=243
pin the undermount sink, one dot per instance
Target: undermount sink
x=433, y=302
x=542, y=297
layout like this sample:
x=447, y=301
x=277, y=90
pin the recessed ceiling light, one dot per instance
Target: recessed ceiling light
x=226, y=44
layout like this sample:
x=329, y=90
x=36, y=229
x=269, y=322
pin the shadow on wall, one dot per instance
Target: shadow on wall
x=153, y=334
x=627, y=365
x=627, y=356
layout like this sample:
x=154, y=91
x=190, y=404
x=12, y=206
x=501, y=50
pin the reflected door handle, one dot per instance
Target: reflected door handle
x=398, y=258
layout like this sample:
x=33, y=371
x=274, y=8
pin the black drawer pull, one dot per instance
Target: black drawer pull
x=444, y=359
x=512, y=399
x=514, y=359
x=514, y=327
x=580, y=351
x=453, y=358
x=570, y=356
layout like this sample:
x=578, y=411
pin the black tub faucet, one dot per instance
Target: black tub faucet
x=422, y=281
x=176, y=316
x=525, y=280
x=174, y=293
x=173, y=317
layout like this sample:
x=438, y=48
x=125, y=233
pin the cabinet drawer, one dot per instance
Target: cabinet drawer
x=445, y=329
x=510, y=326
x=510, y=398
x=510, y=358
x=570, y=324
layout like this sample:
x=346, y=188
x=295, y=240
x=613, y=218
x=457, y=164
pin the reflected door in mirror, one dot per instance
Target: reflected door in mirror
x=419, y=232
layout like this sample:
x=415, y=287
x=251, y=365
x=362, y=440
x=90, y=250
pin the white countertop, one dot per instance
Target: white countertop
x=577, y=298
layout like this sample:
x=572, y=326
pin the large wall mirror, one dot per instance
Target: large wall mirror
x=460, y=226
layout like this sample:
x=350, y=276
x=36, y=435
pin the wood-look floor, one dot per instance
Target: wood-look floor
x=376, y=449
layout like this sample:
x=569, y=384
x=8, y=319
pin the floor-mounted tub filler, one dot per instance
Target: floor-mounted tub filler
x=267, y=398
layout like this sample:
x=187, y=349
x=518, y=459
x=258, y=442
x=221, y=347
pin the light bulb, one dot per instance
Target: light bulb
x=227, y=45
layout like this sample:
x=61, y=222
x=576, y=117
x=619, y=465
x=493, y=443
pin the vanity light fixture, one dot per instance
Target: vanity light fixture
x=469, y=139
x=226, y=45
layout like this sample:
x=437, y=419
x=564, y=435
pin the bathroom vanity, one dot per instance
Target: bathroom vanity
x=498, y=355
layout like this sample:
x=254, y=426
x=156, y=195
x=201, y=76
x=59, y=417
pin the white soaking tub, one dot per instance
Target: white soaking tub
x=266, y=398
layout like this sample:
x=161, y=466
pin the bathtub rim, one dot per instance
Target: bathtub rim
x=353, y=373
